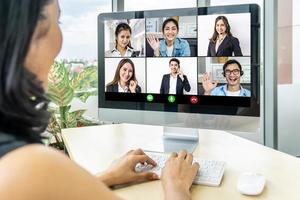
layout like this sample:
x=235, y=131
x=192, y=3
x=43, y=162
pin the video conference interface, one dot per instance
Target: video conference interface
x=178, y=58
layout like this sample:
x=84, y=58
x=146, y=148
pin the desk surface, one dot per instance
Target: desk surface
x=94, y=148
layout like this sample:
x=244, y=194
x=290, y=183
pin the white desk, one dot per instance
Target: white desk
x=94, y=148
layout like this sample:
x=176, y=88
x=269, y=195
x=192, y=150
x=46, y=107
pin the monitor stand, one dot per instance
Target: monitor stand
x=175, y=139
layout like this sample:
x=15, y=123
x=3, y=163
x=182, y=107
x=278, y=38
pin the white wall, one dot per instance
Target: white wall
x=157, y=67
x=296, y=41
x=240, y=28
x=289, y=96
x=111, y=65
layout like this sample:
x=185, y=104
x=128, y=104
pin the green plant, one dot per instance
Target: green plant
x=63, y=86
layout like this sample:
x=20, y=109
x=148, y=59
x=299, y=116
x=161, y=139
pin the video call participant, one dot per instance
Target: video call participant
x=232, y=71
x=124, y=79
x=171, y=45
x=123, y=46
x=222, y=43
x=176, y=81
x=28, y=169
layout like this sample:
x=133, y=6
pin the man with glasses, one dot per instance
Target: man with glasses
x=232, y=71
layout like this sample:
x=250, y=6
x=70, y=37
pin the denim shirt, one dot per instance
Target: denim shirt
x=180, y=48
x=222, y=91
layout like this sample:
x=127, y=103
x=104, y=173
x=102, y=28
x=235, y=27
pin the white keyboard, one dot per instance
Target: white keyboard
x=210, y=172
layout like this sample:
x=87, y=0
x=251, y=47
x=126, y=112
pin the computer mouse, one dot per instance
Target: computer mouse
x=250, y=183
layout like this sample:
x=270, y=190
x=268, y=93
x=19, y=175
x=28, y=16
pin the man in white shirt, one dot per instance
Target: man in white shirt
x=174, y=82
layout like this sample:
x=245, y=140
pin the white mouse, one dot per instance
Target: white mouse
x=251, y=183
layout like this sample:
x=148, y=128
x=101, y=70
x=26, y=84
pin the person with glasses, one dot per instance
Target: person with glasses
x=232, y=71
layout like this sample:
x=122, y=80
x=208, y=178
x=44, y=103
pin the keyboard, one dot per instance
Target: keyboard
x=210, y=172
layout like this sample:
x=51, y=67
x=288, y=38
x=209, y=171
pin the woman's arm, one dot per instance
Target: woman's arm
x=208, y=50
x=122, y=170
x=236, y=47
x=186, y=51
x=36, y=172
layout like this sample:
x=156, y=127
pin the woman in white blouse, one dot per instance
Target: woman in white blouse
x=123, y=46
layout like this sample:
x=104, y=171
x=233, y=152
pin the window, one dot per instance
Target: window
x=130, y=5
x=79, y=27
x=79, y=49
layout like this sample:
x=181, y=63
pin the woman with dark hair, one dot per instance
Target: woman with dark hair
x=222, y=43
x=124, y=79
x=30, y=39
x=123, y=46
x=171, y=45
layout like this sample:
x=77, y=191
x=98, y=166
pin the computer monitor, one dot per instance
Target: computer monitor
x=166, y=67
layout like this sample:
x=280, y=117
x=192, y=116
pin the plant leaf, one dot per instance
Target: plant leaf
x=59, y=90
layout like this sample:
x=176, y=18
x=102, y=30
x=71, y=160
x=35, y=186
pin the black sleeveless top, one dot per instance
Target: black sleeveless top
x=9, y=143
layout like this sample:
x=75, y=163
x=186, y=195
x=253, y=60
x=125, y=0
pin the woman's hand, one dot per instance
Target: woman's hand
x=178, y=175
x=208, y=84
x=132, y=86
x=154, y=43
x=123, y=170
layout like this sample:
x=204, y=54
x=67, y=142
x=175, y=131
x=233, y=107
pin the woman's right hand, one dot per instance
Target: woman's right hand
x=208, y=84
x=154, y=43
x=178, y=175
x=132, y=86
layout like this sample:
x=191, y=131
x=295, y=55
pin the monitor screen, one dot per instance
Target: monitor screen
x=194, y=60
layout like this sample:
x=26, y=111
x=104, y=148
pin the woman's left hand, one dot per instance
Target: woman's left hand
x=123, y=170
x=132, y=86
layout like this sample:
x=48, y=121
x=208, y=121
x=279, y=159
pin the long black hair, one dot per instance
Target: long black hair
x=215, y=34
x=23, y=105
x=122, y=27
x=117, y=73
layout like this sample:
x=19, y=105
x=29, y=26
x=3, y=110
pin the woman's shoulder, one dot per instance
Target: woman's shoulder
x=232, y=38
x=30, y=156
x=32, y=163
x=111, y=85
x=180, y=40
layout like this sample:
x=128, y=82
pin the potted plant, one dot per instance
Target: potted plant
x=65, y=84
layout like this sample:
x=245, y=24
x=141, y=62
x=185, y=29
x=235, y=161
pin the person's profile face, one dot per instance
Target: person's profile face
x=123, y=38
x=220, y=27
x=174, y=67
x=126, y=72
x=44, y=48
x=232, y=74
x=170, y=31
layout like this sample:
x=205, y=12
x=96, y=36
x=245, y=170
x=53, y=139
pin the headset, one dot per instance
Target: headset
x=232, y=62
